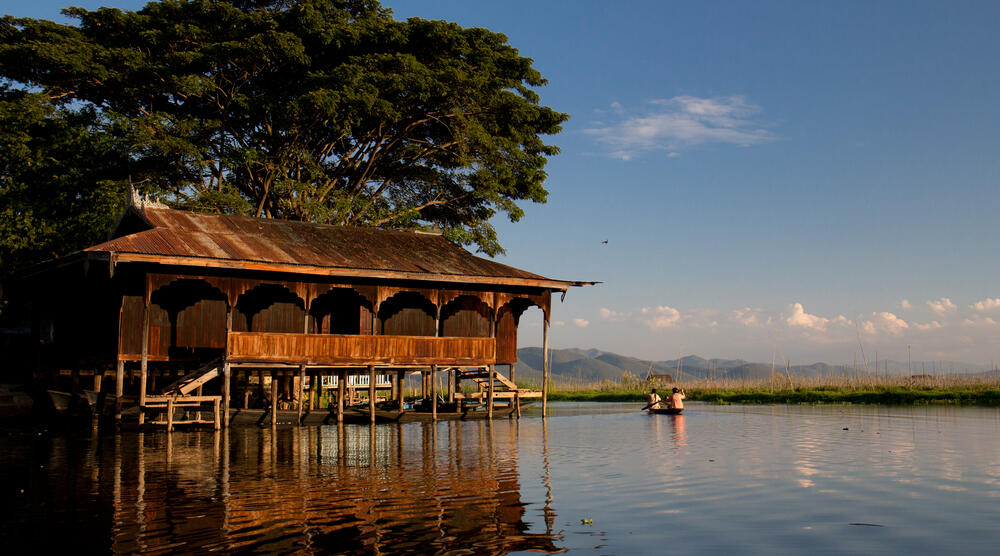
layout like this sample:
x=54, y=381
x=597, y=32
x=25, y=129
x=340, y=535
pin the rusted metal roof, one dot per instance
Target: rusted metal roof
x=188, y=238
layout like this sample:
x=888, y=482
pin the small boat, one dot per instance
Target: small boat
x=666, y=411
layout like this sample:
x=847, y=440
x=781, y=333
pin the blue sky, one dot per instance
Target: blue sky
x=770, y=176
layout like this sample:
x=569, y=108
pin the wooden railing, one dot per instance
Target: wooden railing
x=336, y=349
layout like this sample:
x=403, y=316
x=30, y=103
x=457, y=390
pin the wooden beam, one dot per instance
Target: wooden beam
x=371, y=393
x=302, y=391
x=545, y=364
x=341, y=391
x=489, y=398
x=400, y=377
x=274, y=399
x=434, y=401
x=226, y=387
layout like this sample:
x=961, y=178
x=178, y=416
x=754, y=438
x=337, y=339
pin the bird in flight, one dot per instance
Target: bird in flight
x=605, y=241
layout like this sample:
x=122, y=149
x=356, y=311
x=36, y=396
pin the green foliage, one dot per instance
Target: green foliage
x=61, y=180
x=318, y=110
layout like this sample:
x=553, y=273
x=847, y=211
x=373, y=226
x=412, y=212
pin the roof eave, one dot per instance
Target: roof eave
x=234, y=264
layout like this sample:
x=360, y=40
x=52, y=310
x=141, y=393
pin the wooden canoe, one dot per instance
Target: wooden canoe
x=667, y=411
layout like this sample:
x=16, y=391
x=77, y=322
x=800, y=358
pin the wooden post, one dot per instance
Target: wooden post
x=274, y=399
x=489, y=395
x=170, y=414
x=371, y=392
x=341, y=390
x=144, y=361
x=451, y=385
x=400, y=377
x=434, y=401
x=119, y=389
x=215, y=411
x=227, y=372
x=545, y=364
x=98, y=375
x=302, y=390
x=226, y=382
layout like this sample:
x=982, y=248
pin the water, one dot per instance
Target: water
x=591, y=479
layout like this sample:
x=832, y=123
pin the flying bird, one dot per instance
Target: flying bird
x=605, y=241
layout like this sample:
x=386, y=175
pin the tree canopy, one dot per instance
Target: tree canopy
x=320, y=110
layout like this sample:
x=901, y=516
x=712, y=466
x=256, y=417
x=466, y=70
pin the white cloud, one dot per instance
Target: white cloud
x=613, y=316
x=906, y=305
x=933, y=325
x=679, y=122
x=885, y=322
x=748, y=316
x=979, y=321
x=987, y=304
x=581, y=323
x=942, y=306
x=799, y=318
x=558, y=323
x=660, y=317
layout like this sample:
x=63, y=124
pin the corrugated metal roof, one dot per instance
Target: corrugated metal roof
x=182, y=234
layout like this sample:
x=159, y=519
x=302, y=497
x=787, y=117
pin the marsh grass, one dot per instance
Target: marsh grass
x=784, y=388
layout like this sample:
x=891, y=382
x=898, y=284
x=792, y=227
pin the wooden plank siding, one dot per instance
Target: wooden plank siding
x=336, y=349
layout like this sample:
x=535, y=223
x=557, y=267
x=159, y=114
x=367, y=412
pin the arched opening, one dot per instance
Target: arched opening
x=187, y=314
x=508, y=319
x=466, y=316
x=341, y=311
x=407, y=314
x=269, y=308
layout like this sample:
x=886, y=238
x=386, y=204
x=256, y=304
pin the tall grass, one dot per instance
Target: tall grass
x=788, y=388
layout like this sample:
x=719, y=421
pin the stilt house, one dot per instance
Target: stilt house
x=176, y=304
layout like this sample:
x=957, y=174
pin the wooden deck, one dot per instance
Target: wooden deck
x=335, y=349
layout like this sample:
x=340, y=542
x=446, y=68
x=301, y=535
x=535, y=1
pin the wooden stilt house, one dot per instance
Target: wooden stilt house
x=217, y=312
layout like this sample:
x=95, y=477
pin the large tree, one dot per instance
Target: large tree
x=320, y=110
x=61, y=179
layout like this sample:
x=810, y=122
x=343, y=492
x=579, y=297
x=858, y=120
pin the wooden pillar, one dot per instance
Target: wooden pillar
x=341, y=390
x=489, y=395
x=302, y=390
x=170, y=414
x=545, y=364
x=371, y=393
x=451, y=385
x=274, y=399
x=119, y=389
x=226, y=387
x=98, y=375
x=400, y=377
x=434, y=401
x=144, y=361
x=227, y=372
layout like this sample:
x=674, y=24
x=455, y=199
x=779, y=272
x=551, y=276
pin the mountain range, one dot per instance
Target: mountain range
x=588, y=366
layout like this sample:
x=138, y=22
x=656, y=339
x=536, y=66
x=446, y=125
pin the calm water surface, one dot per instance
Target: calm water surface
x=591, y=479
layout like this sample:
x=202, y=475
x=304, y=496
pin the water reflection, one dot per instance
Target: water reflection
x=386, y=489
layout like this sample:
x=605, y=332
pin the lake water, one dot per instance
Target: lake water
x=590, y=479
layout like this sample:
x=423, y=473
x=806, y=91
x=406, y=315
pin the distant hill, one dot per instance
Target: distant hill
x=588, y=366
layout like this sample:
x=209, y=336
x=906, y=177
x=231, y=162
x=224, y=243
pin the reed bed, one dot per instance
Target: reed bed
x=785, y=388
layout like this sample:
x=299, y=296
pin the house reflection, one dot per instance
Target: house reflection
x=414, y=488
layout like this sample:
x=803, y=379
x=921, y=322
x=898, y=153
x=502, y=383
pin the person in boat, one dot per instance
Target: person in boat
x=654, y=399
x=676, y=399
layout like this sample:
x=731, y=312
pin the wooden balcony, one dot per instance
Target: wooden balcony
x=336, y=349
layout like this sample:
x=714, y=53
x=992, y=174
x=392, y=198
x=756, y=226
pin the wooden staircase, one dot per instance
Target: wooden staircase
x=503, y=388
x=177, y=395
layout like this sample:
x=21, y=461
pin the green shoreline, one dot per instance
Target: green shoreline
x=982, y=396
